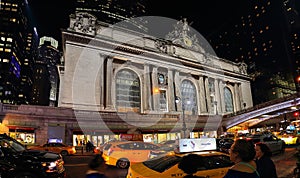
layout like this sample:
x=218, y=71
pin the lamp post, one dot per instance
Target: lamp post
x=177, y=100
x=216, y=104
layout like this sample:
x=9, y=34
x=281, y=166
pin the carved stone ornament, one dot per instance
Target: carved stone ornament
x=242, y=67
x=180, y=35
x=83, y=23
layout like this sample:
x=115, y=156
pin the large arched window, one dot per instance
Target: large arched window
x=228, y=100
x=128, y=97
x=189, y=96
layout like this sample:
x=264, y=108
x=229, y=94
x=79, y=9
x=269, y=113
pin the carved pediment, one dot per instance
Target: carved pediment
x=83, y=22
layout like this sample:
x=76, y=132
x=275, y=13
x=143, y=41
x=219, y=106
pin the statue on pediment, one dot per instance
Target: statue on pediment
x=180, y=35
x=242, y=67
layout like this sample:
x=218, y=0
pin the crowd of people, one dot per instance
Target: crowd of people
x=251, y=161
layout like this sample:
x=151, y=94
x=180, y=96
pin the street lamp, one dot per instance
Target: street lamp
x=216, y=104
x=177, y=100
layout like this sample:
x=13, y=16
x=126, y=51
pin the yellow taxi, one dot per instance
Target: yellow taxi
x=59, y=148
x=197, y=158
x=289, y=138
x=134, y=151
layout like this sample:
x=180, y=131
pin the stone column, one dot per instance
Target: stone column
x=170, y=91
x=222, y=100
x=208, y=101
x=217, y=96
x=109, y=75
x=155, y=89
x=177, y=90
x=147, y=89
x=101, y=81
x=202, y=99
x=237, y=97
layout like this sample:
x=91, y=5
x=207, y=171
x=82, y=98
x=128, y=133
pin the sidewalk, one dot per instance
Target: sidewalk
x=285, y=164
x=81, y=151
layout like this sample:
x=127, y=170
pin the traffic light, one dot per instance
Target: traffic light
x=296, y=114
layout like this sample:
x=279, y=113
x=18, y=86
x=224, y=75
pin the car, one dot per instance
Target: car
x=201, y=163
x=224, y=144
x=290, y=138
x=59, y=148
x=169, y=143
x=117, y=152
x=275, y=144
x=17, y=162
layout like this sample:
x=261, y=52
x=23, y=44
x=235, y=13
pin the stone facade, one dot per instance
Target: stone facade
x=99, y=59
x=95, y=54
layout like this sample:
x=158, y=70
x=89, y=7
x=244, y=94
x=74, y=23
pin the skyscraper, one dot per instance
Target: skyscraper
x=46, y=80
x=16, y=61
x=261, y=38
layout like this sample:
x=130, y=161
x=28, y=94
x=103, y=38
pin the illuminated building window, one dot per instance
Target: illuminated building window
x=5, y=60
x=128, y=91
x=257, y=15
x=7, y=50
x=189, y=96
x=163, y=100
x=267, y=27
x=228, y=100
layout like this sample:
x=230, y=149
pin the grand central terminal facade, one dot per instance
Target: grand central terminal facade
x=115, y=80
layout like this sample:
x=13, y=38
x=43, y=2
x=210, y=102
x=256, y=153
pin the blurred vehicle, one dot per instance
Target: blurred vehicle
x=17, y=162
x=162, y=151
x=199, y=163
x=224, y=144
x=134, y=151
x=275, y=144
x=290, y=138
x=169, y=143
x=59, y=148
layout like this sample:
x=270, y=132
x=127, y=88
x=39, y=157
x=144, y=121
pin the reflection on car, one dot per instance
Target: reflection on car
x=59, y=148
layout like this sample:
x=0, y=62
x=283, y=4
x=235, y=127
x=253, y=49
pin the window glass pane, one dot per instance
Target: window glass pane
x=163, y=100
x=228, y=100
x=189, y=96
x=127, y=91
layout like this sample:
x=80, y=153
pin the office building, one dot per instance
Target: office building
x=261, y=38
x=46, y=79
x=16, y=60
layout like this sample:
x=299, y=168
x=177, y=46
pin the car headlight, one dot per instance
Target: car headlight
x=50, y=166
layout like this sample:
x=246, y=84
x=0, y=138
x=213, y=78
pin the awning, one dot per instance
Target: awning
x=17, y=127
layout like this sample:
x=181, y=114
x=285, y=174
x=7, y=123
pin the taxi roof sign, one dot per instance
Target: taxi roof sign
x=197, y=144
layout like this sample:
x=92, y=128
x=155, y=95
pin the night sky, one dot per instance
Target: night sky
x=49, y=16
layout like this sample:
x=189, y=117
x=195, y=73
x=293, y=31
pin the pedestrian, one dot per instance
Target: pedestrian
x=242, y=154
x=76, y=140
x=265, y=165
x=89, y=146
x=97, y=167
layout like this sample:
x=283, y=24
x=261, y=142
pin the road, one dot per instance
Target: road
x=77, y=165
x=285, y=163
